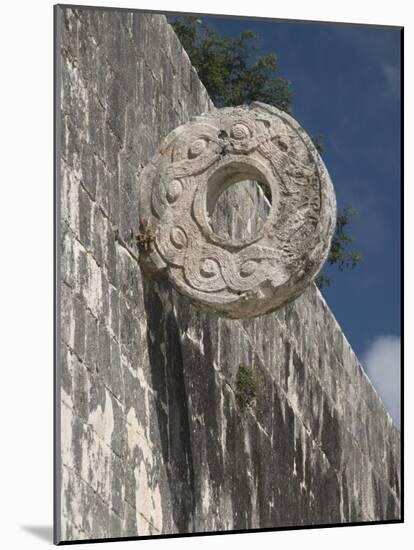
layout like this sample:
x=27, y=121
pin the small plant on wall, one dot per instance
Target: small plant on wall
x=246, y=387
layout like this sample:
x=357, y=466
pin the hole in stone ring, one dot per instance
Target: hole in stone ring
x=235, y=202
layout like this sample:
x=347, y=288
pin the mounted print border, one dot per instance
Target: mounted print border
x=171, y=420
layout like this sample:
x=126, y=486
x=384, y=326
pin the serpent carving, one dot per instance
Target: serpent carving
x=181, y=185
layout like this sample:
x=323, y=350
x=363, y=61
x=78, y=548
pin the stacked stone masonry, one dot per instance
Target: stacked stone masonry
x=152, y=441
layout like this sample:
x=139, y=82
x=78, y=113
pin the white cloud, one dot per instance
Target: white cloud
x=382, y=363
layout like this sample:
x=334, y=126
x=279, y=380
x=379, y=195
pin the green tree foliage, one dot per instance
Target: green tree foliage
x=339, y=253
x=234, y=74
x=226, y=67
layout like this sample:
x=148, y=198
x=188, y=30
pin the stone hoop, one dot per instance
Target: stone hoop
x=179, y=188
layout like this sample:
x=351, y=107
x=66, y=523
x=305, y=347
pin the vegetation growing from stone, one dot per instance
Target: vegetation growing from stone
x=233, y=75
x=246, y=387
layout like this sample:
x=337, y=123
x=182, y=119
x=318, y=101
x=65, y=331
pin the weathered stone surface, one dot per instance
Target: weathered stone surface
x=152, y=440
x=180, y=187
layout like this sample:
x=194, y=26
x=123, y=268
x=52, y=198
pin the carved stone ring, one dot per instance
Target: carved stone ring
x=181, y=185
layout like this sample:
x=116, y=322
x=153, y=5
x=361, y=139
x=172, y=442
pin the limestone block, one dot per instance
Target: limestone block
x=179, y=188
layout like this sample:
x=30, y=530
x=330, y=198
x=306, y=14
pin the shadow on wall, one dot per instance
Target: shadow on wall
x=166, y=364
x=210, y=481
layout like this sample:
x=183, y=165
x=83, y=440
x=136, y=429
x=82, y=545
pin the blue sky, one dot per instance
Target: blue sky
x=346, y=85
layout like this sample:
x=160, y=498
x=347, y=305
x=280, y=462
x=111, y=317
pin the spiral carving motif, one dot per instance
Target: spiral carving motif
x=181, y=185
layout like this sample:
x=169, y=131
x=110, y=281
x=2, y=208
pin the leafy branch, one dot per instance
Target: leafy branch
x=339, y=254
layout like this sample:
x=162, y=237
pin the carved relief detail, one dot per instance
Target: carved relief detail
x=196, y=163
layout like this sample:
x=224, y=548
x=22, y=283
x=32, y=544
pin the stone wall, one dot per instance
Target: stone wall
x=150, y=438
